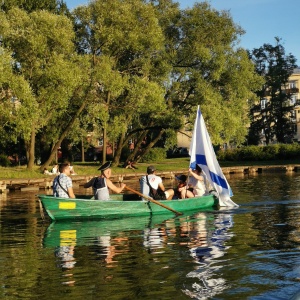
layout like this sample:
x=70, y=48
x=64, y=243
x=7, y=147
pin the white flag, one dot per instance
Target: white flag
x=203, y=154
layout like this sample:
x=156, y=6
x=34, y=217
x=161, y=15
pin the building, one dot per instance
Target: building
x=293, y=86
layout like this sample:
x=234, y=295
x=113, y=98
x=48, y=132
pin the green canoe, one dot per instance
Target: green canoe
x=121, y=205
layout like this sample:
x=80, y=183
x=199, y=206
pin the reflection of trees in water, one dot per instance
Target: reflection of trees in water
x=206, y=255
x=270, y=207
x=266, y=186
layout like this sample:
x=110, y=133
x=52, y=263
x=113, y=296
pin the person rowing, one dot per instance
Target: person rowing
x=102, y=183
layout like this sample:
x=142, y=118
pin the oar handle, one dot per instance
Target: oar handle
x=152, y=200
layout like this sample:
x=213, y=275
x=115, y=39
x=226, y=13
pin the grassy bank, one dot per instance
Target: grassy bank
x=174, y=164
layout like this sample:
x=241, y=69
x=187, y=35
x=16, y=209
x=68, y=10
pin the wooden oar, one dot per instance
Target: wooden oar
x=153, y=201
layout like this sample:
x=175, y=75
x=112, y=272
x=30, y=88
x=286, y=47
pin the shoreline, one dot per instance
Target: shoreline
x=35, y=184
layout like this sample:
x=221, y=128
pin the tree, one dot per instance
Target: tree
x=54, y=6
x=15, y=100
x=122, y=40
x=207, y=69
x=44, y=56
x=272, y=113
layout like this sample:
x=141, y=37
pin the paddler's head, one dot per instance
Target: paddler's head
x=197, y=169
x=106, y=169
x=151, y=170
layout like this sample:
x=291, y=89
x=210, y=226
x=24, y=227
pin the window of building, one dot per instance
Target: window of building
x=263, y=103
x=293, y=99
x=293, y=84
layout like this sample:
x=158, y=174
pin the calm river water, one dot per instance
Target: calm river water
x=252, y=252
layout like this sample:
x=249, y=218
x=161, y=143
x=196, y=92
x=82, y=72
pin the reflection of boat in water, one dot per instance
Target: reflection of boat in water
x=74, y=233
x=207, y=285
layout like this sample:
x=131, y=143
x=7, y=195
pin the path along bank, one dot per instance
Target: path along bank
x=46, y=183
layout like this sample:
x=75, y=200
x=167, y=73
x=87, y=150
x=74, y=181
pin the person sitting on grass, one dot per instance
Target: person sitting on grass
x=130, y=165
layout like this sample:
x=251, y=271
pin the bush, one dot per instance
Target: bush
x=270, y=152
x=251, y=153
x=261, y=153
x=228, y=155
x=4, y=161
x=289, y=151
x=155, y=154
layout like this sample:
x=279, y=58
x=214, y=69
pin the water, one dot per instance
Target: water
x=252, y=252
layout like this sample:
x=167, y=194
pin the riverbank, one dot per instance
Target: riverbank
x=167, y=165
x=121, y=174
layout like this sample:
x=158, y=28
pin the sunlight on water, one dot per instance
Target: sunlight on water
x=251, y=252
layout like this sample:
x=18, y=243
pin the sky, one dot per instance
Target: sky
x=263, y=20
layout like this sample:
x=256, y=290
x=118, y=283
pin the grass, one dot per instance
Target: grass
x=90, y=168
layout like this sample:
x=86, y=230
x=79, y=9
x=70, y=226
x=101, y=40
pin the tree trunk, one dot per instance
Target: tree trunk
x=104, y=149
x=120, y=145
x=82, y=150
x=105, y=130
x=63, y=135
x=151, y=144
x=31, y=154
x=132, y=156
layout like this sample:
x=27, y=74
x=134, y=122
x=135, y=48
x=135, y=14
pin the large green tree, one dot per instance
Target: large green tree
x=272, y=113
x=15, y=100
x=208, y=69
x=123, y=41
x=44, y=56
x=54, y=6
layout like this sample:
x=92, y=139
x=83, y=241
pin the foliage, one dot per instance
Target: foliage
x=273, y=118
x=55, y=6
x=208, y=69
x=44, y=58
x=4, y=161
x=120, y=70
x=154, y=155
x=261, y=153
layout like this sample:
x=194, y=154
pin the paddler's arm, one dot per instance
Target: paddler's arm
x=114, y=188
x=161, y=186
x=198, y=177
x=71, y=192
x=89, y=183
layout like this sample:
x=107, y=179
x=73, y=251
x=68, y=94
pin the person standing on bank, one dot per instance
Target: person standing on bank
x=62, y=184
x=102, y=183
x=150, y=183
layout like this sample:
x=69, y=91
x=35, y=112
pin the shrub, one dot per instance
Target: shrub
x=4, y=161
x=250, y=153
x=271, y=152
x=261, y=153
x=228, y=155
x=155, y=154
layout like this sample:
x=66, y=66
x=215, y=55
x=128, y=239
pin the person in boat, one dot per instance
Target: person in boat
x=62, y=184
x=102, y=183
x=72, y=171
x=196, y=181
x=151, y=183
x=183, y=190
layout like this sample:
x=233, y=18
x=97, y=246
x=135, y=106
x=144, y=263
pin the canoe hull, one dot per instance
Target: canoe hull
x=64, y=208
